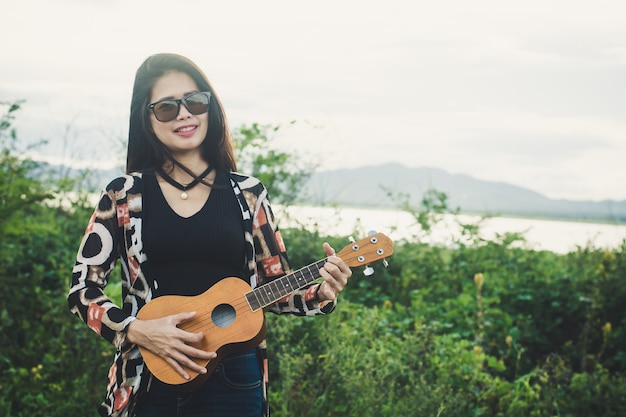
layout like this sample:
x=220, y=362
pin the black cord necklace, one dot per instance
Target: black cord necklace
x=184, y=188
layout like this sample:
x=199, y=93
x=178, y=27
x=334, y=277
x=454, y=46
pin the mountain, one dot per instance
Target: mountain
x=368, y=186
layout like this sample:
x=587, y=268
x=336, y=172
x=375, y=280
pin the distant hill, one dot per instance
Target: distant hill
x=363, y=187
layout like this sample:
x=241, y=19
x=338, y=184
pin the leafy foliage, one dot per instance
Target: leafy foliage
x=478, y=328
x=283, y=173
x=47, y=359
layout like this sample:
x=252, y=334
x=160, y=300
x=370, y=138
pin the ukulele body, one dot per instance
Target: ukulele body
x=222, y=314
x=230, y=313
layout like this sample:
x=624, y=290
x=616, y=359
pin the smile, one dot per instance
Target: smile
x=185, y=129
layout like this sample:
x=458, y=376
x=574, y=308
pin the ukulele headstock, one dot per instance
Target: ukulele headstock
x=373, y=248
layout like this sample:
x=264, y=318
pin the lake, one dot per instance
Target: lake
x=553, y=235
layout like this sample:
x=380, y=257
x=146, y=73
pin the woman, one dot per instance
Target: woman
x=180, y=221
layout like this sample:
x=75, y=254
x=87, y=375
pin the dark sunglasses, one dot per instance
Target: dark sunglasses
x=167, y=109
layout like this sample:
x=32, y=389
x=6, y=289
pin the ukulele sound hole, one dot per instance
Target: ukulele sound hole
x=223, y=315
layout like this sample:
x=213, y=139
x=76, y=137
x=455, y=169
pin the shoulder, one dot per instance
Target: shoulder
x=247, y=183
x=124, y=190
x=125, y=183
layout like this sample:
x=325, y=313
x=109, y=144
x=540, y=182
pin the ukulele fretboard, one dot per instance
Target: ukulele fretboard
x=279, y=288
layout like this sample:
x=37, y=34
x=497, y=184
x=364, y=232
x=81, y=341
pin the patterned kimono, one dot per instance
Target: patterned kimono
x=114, y=233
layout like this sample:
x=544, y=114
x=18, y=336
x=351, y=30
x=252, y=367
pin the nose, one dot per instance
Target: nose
x=183, y=112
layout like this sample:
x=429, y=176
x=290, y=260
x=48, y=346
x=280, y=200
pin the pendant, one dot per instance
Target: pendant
x=184, y=195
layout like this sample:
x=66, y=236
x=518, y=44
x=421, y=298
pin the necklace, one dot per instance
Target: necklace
x=184, y=188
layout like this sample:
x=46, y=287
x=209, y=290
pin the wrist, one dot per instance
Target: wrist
x=317, y=293
x=132, y=330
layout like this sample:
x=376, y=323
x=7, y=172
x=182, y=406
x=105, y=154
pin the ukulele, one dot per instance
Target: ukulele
x=230, y=313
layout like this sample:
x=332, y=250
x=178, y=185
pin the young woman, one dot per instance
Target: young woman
x=180, y=221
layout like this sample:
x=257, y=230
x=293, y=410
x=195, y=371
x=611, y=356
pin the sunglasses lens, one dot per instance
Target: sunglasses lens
x=166, y=110
x=197, y=103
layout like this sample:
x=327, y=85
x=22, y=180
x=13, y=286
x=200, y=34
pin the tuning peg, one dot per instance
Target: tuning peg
x=385, y=263
x=351, y=239
x=372, y=232
x=368, y=271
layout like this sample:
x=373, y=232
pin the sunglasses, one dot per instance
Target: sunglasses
x=167, y=109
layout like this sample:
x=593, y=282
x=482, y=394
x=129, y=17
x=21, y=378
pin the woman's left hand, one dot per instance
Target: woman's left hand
x=335, y=273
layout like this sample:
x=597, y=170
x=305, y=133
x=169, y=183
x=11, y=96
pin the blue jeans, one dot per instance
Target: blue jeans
x=233, y=390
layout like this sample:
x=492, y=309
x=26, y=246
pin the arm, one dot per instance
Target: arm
x=96, y=258
x=101, y=246
x=272, y=262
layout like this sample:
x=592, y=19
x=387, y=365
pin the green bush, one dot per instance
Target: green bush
x=49, y=364
x=484, y=328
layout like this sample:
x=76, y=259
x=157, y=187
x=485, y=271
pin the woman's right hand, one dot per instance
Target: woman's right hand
x=164, y=338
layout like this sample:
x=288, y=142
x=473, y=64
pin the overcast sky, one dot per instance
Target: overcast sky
x=531, y=92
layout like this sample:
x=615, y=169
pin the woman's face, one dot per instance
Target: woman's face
x=183, y=135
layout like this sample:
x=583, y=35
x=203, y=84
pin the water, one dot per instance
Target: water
x=553, y=235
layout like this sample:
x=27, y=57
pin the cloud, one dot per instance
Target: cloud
x=526, y=92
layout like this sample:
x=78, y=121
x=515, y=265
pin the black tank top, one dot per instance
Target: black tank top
x=188, y=255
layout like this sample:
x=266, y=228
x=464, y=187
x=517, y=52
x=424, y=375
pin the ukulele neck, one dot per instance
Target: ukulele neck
x=281, y=287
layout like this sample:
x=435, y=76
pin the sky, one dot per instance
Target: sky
x=529, y=93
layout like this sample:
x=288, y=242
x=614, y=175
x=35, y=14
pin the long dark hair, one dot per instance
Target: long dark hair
x=145, y=152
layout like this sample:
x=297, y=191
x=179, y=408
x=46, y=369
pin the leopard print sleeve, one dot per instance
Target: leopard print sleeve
x=97, y=256
x=272, y=263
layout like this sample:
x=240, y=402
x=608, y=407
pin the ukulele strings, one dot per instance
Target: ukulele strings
x=241, y=303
